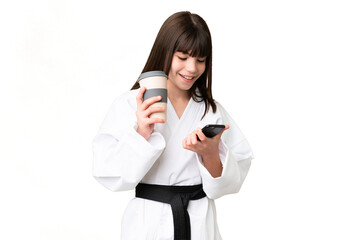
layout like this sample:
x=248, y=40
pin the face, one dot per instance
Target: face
x=185, y=70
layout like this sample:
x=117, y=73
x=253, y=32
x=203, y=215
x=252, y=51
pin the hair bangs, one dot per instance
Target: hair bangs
x=195, y=43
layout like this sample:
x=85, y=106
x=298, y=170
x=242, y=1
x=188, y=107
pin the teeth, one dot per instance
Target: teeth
x=188, y=78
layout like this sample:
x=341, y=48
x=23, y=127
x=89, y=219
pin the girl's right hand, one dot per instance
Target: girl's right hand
x=145, y=124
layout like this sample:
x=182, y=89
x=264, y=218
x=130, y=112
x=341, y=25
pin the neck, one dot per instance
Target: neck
x=176, y=94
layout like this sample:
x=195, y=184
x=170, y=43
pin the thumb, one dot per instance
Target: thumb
x=222, y=131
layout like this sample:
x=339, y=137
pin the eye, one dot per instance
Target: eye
x=182, y=58
x=201, y=60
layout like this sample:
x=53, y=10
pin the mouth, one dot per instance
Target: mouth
x=187, y=78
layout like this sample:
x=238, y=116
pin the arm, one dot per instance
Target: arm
x=234, y=153
x=122, y=156
x=236, y=163
x=207, y=149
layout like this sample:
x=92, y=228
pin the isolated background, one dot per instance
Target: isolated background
x=287, y=71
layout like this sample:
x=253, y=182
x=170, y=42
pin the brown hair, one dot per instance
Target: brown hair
x=188, y=33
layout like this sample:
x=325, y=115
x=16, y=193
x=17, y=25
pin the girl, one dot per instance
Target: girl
x=177, y=171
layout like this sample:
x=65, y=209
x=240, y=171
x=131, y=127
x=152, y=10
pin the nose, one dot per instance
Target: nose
x=191, y=65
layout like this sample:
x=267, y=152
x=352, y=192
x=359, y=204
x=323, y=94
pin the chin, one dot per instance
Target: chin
x=186, y=87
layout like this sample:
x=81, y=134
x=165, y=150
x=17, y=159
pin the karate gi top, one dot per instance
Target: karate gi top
x=123, y=158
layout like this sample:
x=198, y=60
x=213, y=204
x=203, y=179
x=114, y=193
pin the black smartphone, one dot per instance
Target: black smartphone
x=211, y=130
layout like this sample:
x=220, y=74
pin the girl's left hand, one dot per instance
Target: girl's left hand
x=206, y=147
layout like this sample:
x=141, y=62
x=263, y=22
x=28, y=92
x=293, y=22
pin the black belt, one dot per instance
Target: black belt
x=178, y=197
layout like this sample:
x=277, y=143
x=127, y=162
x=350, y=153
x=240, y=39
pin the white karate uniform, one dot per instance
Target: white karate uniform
x=123, y=158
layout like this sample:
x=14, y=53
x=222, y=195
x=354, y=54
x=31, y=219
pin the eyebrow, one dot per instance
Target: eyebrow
x=188, y=54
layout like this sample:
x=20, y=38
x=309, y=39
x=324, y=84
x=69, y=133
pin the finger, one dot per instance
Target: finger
x=150, y=101
x=184, y=144
x=155, y=120
x=193, y=138
x=139, y=97
x=188, y=140
x=190, y=149
x=153, y=109
x=200, y=135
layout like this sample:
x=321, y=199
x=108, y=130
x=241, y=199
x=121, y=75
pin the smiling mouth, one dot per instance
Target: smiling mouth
x=187, y=78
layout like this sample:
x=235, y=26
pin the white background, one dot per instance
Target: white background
x=287, y=71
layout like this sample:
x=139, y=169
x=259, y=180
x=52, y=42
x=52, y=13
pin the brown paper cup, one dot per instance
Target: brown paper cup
x=156, y=85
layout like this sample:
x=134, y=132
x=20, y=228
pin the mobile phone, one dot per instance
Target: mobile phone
x=211, y=130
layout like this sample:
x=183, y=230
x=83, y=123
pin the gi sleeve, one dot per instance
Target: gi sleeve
x=122, y=157
x=235, y=155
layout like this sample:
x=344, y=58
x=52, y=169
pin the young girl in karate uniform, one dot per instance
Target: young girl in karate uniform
x=176, y=170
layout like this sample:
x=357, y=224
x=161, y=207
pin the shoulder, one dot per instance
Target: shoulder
x=123, y=105
x=221, y=115
x=127, y=98
x=128, y=95
x=220, y=110
x=219, y=106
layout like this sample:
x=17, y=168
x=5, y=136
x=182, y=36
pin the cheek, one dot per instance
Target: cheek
x=173, y=70
x=175, y=65
x=202, y=68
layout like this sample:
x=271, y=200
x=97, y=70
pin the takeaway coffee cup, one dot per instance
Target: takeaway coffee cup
x=155, y=83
